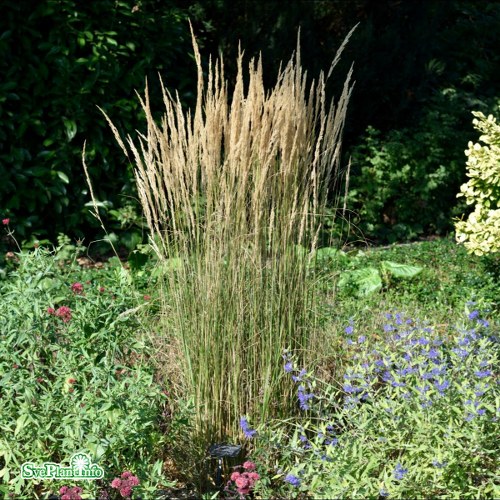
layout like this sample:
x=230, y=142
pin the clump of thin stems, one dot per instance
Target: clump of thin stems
x=233, y=195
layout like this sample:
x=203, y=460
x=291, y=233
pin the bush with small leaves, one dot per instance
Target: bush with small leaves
x=480, y=232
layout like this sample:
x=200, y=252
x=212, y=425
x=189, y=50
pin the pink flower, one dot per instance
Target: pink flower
x=147, y=297
x=66, y=497
x=234, y=476
x=125, y=492
x=116, y=483
x=133, y=480
x=5, y=222
x=64, y=313
x=249, y=465
x=126, y=474
x=63, y=490
x=242, y=482
x=254, y=476
x=50, y=310
x=77, y=288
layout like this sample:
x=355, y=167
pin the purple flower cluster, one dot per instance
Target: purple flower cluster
x=245, y=427
x=420, y=366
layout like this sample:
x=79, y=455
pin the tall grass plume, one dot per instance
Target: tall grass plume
x=233, y=194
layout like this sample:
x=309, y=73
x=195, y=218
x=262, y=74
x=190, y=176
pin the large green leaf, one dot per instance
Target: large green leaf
x=365, y=281
x=401, y=270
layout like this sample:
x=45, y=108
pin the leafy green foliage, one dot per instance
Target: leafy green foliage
x=480, y=233
x=365, y=281
x=402, y=184
x=74, y=376
x=60, y=59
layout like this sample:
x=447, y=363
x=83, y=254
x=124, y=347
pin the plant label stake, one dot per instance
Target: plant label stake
x=221, y=451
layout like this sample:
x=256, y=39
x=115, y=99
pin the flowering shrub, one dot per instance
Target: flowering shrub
x=243, y=480
x=480, y=233
x=72, y=377
x=417, y=415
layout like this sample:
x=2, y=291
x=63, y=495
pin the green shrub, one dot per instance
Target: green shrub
x=401, y=182
x=480, y=232
x=59, y=59
x=73, y=376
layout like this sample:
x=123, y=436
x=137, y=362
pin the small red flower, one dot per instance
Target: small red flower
x=77, y=288
x=51, y=310
x=101, y=289
x=147, y=297
x=5, y=222
x=64, y=313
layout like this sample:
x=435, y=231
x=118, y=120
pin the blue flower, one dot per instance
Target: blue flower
x=483, y=373
x=332, y=442
x=293, y=480
x=361, y=339
x=442, y=387
x=399, y=472
x=383, y=493
x=349, y=330
x=439, y=464
x=289, y=367
x=474, y=314
x=298, y=378
x=432, y=353
x=461, y=352
x=249, y=433
x=304, y=398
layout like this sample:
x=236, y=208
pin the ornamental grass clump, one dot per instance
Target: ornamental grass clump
x=416, y=415
x=233, y=193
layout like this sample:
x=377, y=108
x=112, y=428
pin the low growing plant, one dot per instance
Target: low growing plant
x=416, y=415
x=73, y=376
